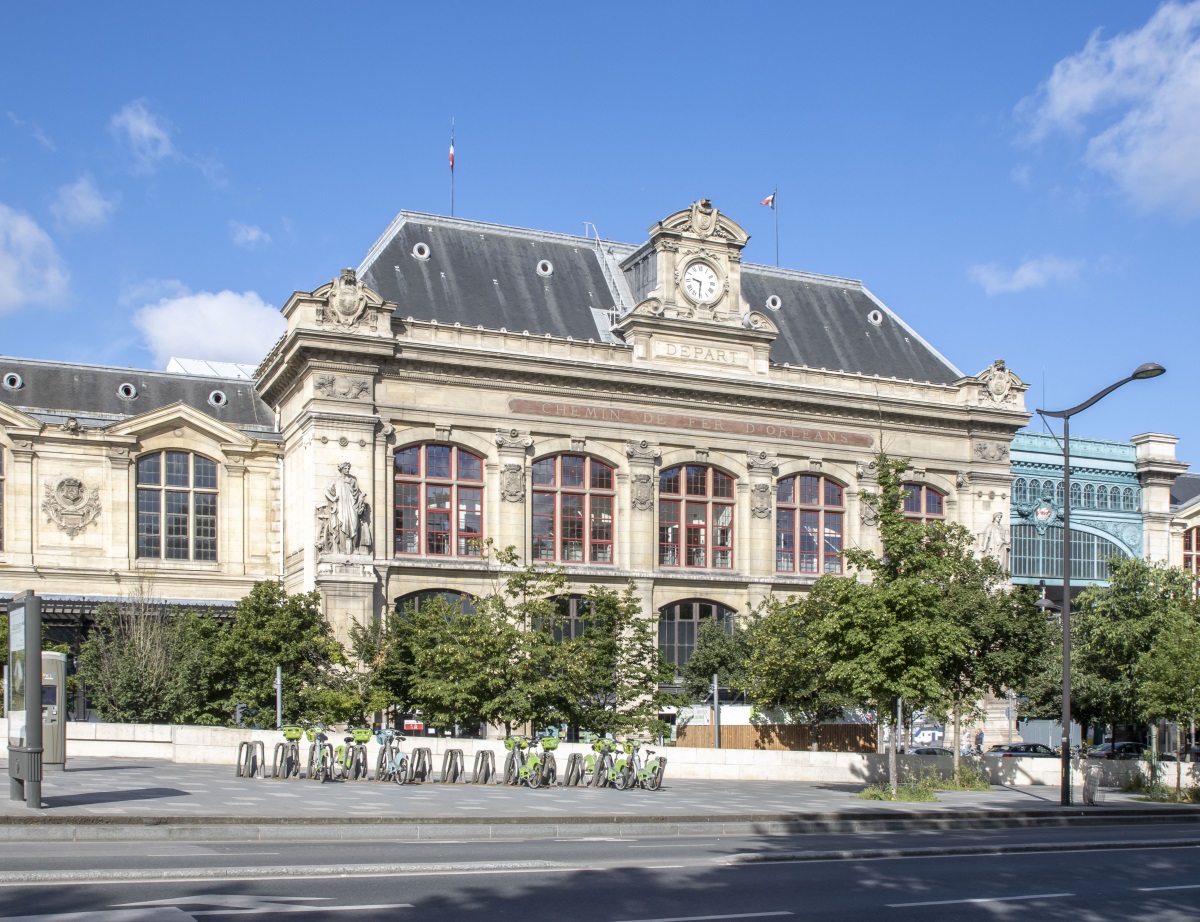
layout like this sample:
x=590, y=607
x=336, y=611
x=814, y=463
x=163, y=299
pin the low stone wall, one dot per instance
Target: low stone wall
x=219, y=746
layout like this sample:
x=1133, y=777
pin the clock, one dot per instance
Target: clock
x=700, y=282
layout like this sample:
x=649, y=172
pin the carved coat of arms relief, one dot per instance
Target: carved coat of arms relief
x=70, y=505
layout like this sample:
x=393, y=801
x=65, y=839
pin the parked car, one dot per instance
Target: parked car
x=1025, y=750
x=1189, y=754
x=930, y=751
x=1117, y=751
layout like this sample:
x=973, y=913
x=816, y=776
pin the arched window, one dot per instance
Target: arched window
x=678, y=623
x=1127, y=503
x=1076, y=495
x=439, y=501
x=808, y=525
x=1089, y=496
x=573, y=503
x=922, y=502
x=1191, y=550
x=414, y=600
x=1040, y=555
x=1020, y=490
x=695, y=517
x=177, y=506
x=571, y=617
x=1101, y=497
x=1058, y=494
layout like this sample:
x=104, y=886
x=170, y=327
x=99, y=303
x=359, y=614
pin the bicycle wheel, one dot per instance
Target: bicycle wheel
x=311, y=772
x=600, y=777
x=620, y=780
x=535, y=777
x=510, y=769
x=291, y=761
x=400, y=776
x=654, y=782
x=381, y=764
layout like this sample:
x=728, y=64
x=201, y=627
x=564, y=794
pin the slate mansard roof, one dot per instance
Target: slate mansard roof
x=477, y=274
x=96, y=395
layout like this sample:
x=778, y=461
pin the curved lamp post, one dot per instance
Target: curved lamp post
x=1148, y=370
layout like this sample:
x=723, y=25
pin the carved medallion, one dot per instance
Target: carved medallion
x=341, y=386
x=761, y=461
x=512, y=483
x=346, y=302
x=998, y=383
x=643, y=491
x=991, y=451
x=760, y=500
x=70, y=505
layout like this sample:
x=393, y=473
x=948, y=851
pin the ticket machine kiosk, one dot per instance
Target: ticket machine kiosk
x=54, y=710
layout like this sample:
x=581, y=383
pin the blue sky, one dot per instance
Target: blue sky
x=1015, y=180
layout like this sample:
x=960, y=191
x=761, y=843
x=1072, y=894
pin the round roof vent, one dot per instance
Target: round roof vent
x=774, y=302
x=421, y=251
x=126, y=391
x=545, y=268
x=218, y=399
x=875, y=318
x=13, y=381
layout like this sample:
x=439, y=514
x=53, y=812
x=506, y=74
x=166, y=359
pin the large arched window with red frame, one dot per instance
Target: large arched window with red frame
x=809, y=524
x=1191, y=550
x=573, y=502
x=438, y=501
x=924, y=503
x=695, y=517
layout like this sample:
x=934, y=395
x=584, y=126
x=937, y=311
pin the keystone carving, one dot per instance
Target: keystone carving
x=761, y=461
x=70, y=505
x=513, y=438
x=642, y=451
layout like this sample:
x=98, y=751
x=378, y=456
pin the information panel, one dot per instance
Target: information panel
x=16, y=675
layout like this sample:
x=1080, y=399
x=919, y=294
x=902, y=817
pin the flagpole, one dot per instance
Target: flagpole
x=775, y=202
x=452, y=168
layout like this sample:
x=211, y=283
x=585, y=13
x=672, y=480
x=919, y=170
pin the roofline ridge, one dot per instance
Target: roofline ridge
x=175, y=375
x=784, y=272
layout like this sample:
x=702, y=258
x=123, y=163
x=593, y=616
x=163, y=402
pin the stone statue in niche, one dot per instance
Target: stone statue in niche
x=347, y=524
x=70, y=506
x=994, y=541
x=760, y=500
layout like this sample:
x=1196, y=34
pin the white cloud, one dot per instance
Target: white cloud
x=31, y=270
x=81, y=205
x=148, y=290
x=36, y=130
x=146, y=136
x=248, y=235
x=1136, y=98
x=224, y=326
x=1033, y=273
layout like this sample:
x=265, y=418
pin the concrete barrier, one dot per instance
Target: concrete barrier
x=219, y=746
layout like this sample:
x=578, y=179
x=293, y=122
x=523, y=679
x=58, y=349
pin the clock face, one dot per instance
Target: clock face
x=700, y=282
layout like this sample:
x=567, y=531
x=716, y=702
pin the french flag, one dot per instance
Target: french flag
x=769, y=201
x=452, y=155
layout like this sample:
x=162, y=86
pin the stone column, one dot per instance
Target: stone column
x=643, y=517
x=759, y=545
x=512, y=516
x=235, y=524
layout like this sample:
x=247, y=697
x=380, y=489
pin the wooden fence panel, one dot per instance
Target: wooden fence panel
x=830, y=737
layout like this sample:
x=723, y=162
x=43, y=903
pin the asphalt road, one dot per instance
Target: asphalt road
x=699, y=879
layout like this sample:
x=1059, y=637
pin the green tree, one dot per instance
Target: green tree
x=143, y=663
x=788, y=665
x=720, y=652
x=892, y=638
x=1168, y=674
x=610, y=677
x=1113, y=628
x=272, y=628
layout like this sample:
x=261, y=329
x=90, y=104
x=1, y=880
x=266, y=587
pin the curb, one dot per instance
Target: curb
x=228, y=828
x=952, y=851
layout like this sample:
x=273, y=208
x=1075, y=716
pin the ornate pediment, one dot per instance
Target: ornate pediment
x=704, y=221
x=346, y=303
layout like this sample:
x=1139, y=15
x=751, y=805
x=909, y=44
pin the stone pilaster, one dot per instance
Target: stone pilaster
x=515, y=477
x=1157, y=470
x=641, y=512
x=758, y=547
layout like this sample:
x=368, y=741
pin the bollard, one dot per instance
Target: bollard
x=484, y=768
x=242, y=758
x=452, y=766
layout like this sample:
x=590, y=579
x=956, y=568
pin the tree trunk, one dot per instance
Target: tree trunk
x=893, y=745
x=957, y=736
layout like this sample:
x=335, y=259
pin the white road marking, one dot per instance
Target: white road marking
x=990, y=899
x=736, y=915
x=1178, y=887
x=673, y=845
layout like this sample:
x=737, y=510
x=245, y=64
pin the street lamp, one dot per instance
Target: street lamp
x=1148, y=370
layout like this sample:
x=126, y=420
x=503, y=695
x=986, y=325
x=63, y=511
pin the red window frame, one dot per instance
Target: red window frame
x=437, y=505
x=574, y=499
x=688, y=531
x=810, y=524
x=923, y=503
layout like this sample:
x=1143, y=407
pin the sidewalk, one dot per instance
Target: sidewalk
x=108, y=798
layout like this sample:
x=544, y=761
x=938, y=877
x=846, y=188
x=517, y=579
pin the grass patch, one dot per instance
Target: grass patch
x=920, y=790
x=969, y=778
x=1160, y=792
